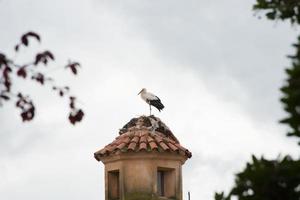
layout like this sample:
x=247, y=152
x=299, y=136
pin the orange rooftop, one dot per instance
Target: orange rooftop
x=144, y=162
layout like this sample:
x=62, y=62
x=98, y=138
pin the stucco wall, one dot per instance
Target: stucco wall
x=138, y=174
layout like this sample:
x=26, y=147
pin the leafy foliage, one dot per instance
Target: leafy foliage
x=287, y=10
x=9, y=68
x=267, y=180
x=291, y=91
x=276, y=179
x=280, y=9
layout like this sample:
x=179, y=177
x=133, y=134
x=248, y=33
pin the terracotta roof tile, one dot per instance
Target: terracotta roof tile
x=173, y=147
x=150, y=139
x=139, y=138
x=158, y=138
x=143, y=146
x=153, y=145
x=143, y=139
x=132, y=146
x=164, y=146
x=137, y=134
x=121, y=146
x=135, y=139
x=110, y=148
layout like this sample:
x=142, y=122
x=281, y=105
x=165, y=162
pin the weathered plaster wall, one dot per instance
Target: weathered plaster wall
x=138, y=174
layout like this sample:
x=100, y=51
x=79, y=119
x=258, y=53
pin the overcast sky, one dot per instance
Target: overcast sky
x=215, y=66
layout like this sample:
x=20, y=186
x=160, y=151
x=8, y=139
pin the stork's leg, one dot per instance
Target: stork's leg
x=150, y=109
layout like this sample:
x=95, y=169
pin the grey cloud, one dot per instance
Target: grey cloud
x=223, y=42
x=207, y=69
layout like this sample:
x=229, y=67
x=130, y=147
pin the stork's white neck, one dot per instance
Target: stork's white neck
x=147, y=96
x=144, y=95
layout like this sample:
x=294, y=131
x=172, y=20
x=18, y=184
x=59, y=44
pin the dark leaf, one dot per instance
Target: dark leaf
x=17, y=47
x=24, y=40
x=7, y=69
x=43, y=57
x=74, y=70
x=39, y=77
x=76, y=116
x=38, y=58
x=26, y=106
x=18, y=104
x=73, y=66
x=45, y=61
x=5, y=97
x=28, y=114
x=22, y=72
x=3, y=60
x=49, y=54
x=7, y=85
x=72, y=102
x=6, y=77
x=34, y=35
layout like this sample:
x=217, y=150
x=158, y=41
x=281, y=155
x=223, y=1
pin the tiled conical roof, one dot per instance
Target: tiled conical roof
x=145, y=133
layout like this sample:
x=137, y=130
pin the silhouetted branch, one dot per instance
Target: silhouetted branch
x=9, y=68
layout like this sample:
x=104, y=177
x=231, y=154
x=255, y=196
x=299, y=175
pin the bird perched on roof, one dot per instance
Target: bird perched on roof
x=151, y=99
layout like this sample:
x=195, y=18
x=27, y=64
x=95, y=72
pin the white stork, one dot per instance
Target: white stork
x=151, y=99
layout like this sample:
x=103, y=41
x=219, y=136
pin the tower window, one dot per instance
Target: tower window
x=113, y=185
x=166, y=182
x=160, y=183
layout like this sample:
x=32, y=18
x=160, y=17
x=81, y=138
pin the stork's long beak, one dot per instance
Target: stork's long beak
x=140, y=92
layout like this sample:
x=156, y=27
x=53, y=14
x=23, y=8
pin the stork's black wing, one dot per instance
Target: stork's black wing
x=157, y=104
